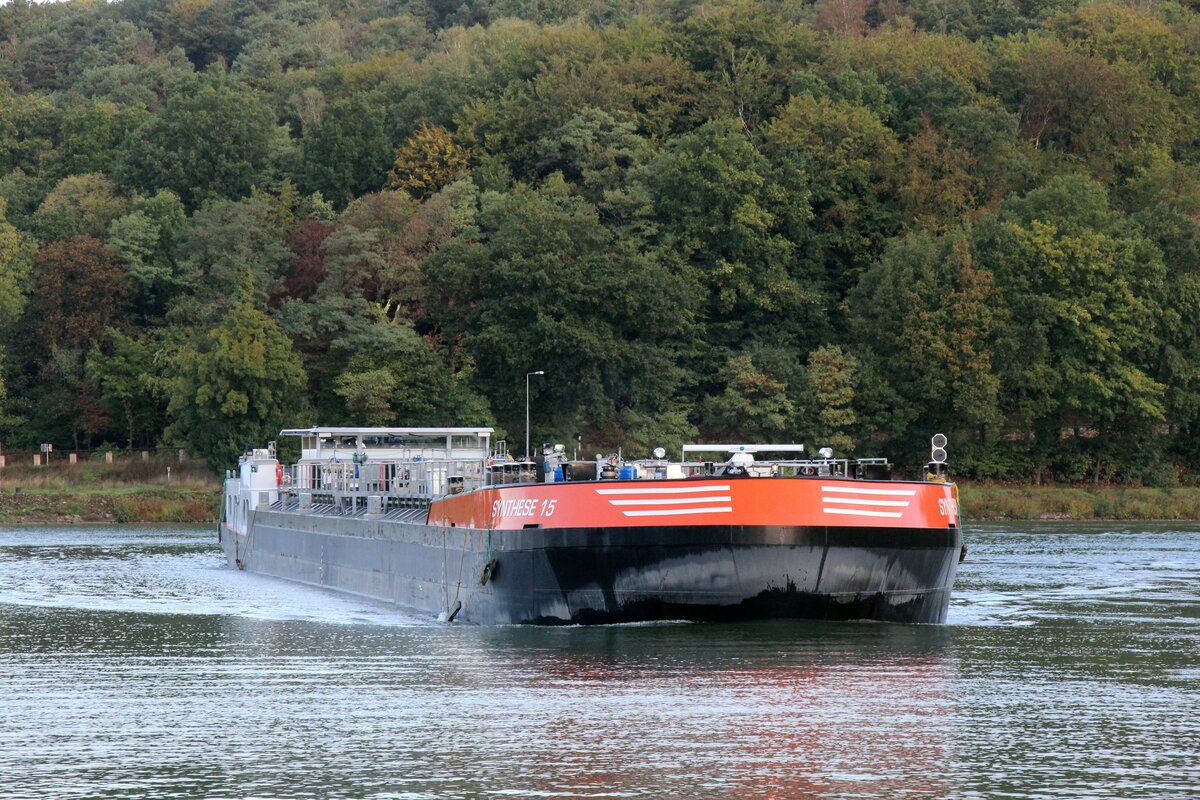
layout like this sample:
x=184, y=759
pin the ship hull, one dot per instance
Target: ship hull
x=596, y=575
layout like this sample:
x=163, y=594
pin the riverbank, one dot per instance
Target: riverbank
x=92, y=495
x=985, y=501
x=106, y=505
x=127, y=490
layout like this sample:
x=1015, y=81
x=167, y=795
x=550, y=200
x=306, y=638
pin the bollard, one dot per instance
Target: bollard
x=145, y=455
x=37, y=459
x=108, y=457
x=73, y=458
x=305, y=501
x=374, y=505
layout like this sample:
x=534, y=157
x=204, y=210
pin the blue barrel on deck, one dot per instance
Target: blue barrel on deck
x=628, y=472
x=558, y=474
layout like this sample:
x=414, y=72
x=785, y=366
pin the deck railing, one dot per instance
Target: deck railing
x=425, y=480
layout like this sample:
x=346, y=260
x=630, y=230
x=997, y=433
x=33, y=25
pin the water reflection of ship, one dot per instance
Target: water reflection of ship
x=793, y=710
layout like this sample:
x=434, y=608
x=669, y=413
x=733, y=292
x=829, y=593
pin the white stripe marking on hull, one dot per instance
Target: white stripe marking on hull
x=667, y=501
x=854, y=512
x=664, y=512
x=681, y=489
x=854, y=501
x=850, y=490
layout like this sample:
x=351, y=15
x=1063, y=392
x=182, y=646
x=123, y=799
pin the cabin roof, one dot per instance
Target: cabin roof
x=318, y=431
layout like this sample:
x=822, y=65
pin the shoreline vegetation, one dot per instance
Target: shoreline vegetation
x=134, y=491
x=984, y=502
x=130, y=490
x=630, y=225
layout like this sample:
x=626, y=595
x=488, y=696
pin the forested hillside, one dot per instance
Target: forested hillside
x=854, y=222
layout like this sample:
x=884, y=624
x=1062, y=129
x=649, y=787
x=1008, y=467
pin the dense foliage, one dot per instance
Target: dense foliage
x=845, y=222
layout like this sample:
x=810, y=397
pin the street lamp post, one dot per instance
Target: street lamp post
x=527, y=374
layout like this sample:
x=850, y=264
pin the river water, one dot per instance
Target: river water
x=134, y=664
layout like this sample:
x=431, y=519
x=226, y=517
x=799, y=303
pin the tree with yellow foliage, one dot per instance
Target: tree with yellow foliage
x=427, y=161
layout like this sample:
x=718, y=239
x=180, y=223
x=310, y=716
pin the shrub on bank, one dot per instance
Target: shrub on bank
x=984, y=501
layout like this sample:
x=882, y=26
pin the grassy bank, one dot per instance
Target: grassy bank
x=128, y=490
x=132, y=490
x=984, y=501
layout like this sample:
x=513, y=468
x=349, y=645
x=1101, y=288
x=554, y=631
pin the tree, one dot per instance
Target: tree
x=1082, y=104
x=90, y=136
x=130, y=388
x=143, y=242
x=347, y=151
x=541, y=283
x=306, y=242
x=79, y=291
x=80, y=205
x=596, y=151
x=722, y=217
x=212, y=138
x=844, y=161
x=831, y=378
x=401, y=380
x=1078, y=281
x=240, y=385
x=27, y=123
x=925, y=318
x=754, y=406
x=226, y=241
x=427, y=161
x=16, y=259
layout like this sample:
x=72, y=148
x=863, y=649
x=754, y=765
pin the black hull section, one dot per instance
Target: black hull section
x=597, y=576
x=736, y=573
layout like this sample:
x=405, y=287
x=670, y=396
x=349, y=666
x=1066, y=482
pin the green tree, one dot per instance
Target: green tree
x=241, y=384
x=844, y=160
x=223, y=243
x=541, y=284
x=347, y=152
x=130, y=388
x=212, y=138
x=144, y=243
x=831, y=376
x=16, y=259
x=27, y=123
x=721, y=216
x=80, y=205
x=401, y=380
x=1078, y=281
x=753, y=406
x=926, y=316
x=90, y=136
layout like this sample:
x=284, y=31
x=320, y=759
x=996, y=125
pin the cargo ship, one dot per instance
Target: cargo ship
x=445, y=522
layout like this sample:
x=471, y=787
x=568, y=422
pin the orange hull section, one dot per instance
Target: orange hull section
x=831, y=502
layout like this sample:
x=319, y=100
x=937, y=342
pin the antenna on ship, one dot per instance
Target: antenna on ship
x=527, y=374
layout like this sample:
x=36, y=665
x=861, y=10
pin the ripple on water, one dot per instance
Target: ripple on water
x=135, y=665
